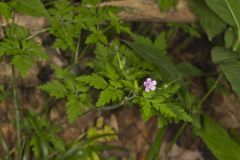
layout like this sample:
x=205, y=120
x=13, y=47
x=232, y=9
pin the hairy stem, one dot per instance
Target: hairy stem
x=17, y=111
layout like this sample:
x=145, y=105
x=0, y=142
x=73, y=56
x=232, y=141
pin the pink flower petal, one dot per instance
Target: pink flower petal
x=147, y=89
x=145, y=84
x=154, y=83
x=149, y=79
x=152, y=88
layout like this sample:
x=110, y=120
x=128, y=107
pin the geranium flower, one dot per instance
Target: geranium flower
x=150, y=85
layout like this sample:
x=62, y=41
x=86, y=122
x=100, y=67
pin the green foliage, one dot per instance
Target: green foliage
x=117, y=72
x=30, y=7
x=55, y=89
x=5, y=10
x=23, y=52
x=154, y=54
x=218, y=140
x=165, y=5
x=109, y=94
x=229, y=64
x=227, y=10
x=154, y=151
x=68, y=22
x=188, y=70
x=44, y=141
x=209, y=21
x=69, y=87
x=75, y=107
x=229, y=38
x=94, y=80
x=96, y=36
x=64, y=26
x=162, y=103
x=190, y=29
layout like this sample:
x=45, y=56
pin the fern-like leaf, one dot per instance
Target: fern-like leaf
x=108, y=95
x=55, y=89
x=94, y=80
x=74, y=108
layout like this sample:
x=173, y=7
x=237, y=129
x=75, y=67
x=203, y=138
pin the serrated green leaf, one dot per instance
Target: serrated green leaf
x=55, y=89
x=31, y=7
x=23, y=63
x=36, y=146
x=146, y=109
x=62, y=73
x=174, y=112
x=165, y=110
x=229, y=65
x=116, y=84
x=161, y=43
x=93, y=80
x=109, y=94
x=209, y=21
x=181, y=114
x=218, y=140
x=16, y=32
x=55, y=141
x=96, y=37
x=74, y=108
x=144, y=48
x=111, y=73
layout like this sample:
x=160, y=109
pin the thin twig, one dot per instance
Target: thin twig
x=37, y=33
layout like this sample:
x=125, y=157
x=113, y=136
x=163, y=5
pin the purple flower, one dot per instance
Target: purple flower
x=150, y=85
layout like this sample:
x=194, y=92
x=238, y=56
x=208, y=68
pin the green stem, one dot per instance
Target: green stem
x=120, y=63
x=179, y=133
x=208, y=93
x=17, y=111
x=77, y=52
x=113, y=107
x=171, y=35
